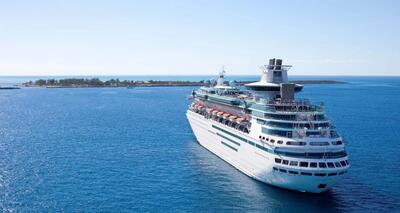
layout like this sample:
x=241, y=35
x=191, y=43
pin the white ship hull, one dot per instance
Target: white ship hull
x=248, y=159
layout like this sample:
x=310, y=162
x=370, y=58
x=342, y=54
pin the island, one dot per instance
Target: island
x=96, y=82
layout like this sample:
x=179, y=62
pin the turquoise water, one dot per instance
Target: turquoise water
x=117, y=149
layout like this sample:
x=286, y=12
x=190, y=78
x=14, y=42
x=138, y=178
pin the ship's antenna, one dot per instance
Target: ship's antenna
x=263, y=69
x=223, y=71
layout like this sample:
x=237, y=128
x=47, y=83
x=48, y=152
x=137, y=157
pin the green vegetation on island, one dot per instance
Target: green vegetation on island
x=96, y=82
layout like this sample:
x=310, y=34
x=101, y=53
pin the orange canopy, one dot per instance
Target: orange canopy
x=233, y=117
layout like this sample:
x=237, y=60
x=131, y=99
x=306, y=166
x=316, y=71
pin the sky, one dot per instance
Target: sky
x=198, y=37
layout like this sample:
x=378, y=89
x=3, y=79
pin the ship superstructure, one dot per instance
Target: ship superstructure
x=266, y=133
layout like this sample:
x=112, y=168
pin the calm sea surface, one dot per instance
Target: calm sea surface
x=117, y=149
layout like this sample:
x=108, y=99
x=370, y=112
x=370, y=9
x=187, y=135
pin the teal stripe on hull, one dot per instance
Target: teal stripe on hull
x=233, y=148
x=228, y=139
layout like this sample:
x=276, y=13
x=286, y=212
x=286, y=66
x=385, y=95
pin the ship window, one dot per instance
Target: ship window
x=303, y=164
x=280, y=142
x=259, y=136
x=277, y=160
x=341, y=173
x=330, y=165
x=283, y=170
x=343, y=163
x=277, y=74
x=347, y=162
x=321, y=186
x=293, y=163
x=293, y=172
x=337, y=164
x=306, y=173
x=272, y=141
x=322, y=165
x=286, y=162
x=319, y=143
x=294, y=143
x=260, y=121
x=337, y=142
x=275, y=169
x=263, y=138
x=320, y=174
x=331, y=174
x=313, y=165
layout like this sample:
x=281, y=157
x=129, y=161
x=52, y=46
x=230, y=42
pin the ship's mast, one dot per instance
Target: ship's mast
x=221, y=76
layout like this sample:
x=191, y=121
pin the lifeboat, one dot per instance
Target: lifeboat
x=232, y=117
x=226, y=115
x=240, y=120
x=220, y=113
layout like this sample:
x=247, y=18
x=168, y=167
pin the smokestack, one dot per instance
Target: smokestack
x=271, y=63
x=278, y=64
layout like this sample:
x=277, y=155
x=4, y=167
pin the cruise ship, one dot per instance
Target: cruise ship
x=262, y=130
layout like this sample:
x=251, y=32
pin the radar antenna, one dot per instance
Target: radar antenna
x=263, y=68
x=222, y=72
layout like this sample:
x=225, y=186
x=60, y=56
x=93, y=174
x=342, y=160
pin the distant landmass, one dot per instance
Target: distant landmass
x=95, y=82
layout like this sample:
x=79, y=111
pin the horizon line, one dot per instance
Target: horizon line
x=177, y=75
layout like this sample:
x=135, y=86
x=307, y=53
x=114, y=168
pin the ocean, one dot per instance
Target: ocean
x=132, y=150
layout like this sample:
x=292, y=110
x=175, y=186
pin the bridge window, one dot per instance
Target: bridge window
x=303, y=164
x=306, y=173
x=337, y=143
x=295, y=143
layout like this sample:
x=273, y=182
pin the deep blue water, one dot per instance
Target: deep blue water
x=117, y=149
